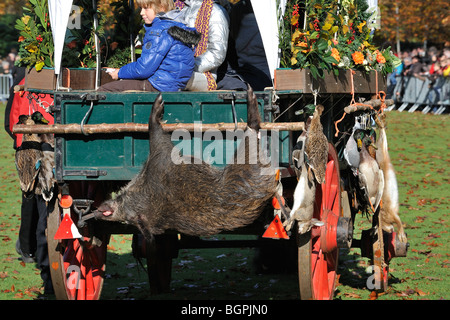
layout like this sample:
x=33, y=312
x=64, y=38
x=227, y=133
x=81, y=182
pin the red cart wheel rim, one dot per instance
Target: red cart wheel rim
x=77, y=267
x=319, y=282
x=84, y=268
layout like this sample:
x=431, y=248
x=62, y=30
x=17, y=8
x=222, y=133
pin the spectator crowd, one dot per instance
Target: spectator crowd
x=432, y=66
x=7, y=63
x=430, y=63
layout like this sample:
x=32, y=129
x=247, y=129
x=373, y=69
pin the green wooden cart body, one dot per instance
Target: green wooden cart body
x=119, y=156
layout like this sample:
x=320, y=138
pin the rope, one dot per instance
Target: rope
x=68, y=77
x=353, y=103
x=383, y=106
x=380, y=95
x=336, y=123
x=353, y=86
x=292, y=104
x=376, y=84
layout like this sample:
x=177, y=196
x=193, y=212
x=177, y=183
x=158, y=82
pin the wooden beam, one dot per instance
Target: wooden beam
x=75, y=128
x=367, y=105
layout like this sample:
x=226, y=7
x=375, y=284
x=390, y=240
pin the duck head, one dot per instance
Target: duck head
x=38, y=118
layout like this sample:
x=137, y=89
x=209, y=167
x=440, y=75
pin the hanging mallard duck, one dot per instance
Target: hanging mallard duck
x=351, y=151
x=304, y=193
x=46, y=174
x=309, y=157
x=28, y=159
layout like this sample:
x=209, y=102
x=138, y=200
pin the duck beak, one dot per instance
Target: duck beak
x=359, y=142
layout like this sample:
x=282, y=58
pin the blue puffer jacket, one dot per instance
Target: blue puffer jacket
x=166, y=62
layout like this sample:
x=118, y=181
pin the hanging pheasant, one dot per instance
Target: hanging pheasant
x=316, y=148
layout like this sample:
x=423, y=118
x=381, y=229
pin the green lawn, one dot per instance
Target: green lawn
x=419, y=150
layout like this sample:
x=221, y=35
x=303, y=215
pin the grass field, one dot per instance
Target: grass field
x=419, y=148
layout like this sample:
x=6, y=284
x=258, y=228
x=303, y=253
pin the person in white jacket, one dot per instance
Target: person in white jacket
x=212, y=21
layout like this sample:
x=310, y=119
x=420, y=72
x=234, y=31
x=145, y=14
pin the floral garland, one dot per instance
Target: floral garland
x=331, y=35
x=35, y=40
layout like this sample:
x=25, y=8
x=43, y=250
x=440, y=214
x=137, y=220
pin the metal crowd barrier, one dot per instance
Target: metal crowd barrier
x=421, y=94
x=6, y=81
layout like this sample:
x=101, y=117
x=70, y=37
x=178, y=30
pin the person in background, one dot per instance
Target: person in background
x=167, y=59
x=31, y=244
x=393, y=78
x=246, y=60
x=211, y=20
x=417, y=68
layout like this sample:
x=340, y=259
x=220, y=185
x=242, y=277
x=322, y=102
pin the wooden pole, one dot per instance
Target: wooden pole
x=367, y=105
x=75, y=128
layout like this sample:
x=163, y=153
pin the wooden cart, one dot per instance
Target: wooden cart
x=101, y=140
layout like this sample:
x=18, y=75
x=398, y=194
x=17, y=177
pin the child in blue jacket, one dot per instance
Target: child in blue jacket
x=167, y=59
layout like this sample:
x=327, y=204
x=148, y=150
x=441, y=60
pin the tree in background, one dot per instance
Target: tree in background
x=9, y=34
x=415, y=21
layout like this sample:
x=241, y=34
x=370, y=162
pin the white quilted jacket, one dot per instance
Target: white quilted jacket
x=218, y=35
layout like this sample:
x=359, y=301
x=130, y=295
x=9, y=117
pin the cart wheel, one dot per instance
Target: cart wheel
x=77, y=266
x=317, y=249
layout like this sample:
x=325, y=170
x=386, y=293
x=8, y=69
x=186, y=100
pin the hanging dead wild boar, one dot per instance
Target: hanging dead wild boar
x=194, y=199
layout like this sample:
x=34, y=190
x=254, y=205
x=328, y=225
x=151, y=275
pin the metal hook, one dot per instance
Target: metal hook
x=85, y=117
x=233, y=108
x=315, y=93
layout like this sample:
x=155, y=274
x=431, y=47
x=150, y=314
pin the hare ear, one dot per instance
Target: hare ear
x=157, y=111
x=253, y=116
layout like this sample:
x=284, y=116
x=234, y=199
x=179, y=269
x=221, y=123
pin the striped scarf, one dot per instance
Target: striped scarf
x=179, y=4
x=202, y=27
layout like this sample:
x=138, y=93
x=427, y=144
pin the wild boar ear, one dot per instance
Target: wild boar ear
x=157, y=110
x=253, y=116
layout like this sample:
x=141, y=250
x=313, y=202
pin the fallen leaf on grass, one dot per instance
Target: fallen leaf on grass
x=431, y=236
x=425, y=252
x=352, y=295
x=420, y=219
x=409, y=292
x=432, y=244
x=18, y=295
x=405, y=293
x=373, y=295
x=421, y=293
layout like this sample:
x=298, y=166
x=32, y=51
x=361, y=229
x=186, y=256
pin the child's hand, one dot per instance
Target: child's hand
x=114, y=73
